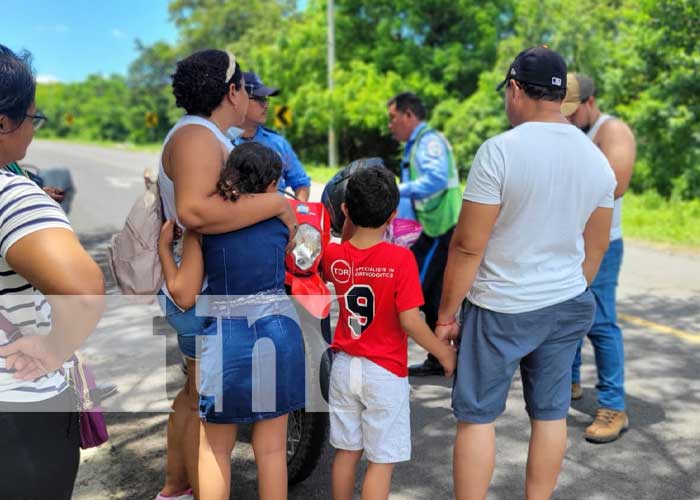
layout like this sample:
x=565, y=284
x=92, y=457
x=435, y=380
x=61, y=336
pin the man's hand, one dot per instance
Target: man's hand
x=447, y=333
x=32, y=356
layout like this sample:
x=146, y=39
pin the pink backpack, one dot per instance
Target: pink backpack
x=133, y=252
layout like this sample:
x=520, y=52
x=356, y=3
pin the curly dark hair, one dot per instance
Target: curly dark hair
x=17, y=85
x=199, y=81
x=371, y=196
x=249, y=169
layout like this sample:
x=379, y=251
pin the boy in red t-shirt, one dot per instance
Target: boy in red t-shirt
x=379, y=294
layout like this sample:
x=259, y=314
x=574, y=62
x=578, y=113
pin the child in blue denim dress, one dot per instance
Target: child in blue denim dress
x=252, y=356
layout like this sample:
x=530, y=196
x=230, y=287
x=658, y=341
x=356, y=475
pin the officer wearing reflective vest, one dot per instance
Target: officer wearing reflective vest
x=430, y=193
x=293, y=173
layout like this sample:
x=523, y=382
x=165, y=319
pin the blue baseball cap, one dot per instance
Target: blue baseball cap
x=255, y=86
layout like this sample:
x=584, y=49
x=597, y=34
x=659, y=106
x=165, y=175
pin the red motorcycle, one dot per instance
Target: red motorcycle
x=308, y=428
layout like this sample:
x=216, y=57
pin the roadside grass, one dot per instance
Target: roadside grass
x=650, y=217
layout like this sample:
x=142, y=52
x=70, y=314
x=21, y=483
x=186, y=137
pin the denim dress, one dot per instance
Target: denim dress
x=252, y=357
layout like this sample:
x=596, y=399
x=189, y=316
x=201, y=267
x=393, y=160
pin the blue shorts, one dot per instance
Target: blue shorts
x=542, y=342
x=186, y=323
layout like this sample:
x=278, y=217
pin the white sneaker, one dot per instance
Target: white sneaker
x=183, y=495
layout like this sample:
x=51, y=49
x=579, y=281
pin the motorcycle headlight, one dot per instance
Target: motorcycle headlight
x=308, y=246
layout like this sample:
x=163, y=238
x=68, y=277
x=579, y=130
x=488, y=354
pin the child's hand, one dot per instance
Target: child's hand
x=167, y=234
x=289, y=219
x=449, y=360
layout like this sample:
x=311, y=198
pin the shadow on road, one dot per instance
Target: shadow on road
x=680, y=313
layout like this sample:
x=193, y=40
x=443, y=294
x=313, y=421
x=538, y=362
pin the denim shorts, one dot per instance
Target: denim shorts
x=186, y=323
x=251, y=372
x=542, y=343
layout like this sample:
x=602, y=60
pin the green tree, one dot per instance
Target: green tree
x=206, y=24
x=450, y=41
x=149, y=91
x=654, y=85
x=97, y=107
x=644, y=57
x=643, y=54
x=434, y=48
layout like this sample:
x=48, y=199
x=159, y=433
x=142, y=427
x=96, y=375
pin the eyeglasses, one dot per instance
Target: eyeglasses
x=38, y=120
x=262, y=100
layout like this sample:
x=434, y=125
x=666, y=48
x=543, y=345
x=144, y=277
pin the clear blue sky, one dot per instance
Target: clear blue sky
x=71, y=39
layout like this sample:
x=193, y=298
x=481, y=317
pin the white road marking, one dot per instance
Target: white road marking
x=123, y=182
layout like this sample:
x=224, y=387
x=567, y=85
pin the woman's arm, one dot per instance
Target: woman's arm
x=184, y=283
x=195, y=158
x=55, y=263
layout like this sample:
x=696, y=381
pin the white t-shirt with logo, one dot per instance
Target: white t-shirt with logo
x=548, y=179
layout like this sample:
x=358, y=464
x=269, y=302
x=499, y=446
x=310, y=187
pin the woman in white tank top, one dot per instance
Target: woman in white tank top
x=209, y=86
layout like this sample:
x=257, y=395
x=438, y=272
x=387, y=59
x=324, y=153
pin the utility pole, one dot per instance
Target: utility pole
x=332, y=140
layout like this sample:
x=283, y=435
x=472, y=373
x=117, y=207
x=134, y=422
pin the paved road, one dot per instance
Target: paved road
x=657, y=459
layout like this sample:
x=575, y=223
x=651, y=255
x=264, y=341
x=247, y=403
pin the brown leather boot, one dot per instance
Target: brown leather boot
x=576, y=391
x=607, y=426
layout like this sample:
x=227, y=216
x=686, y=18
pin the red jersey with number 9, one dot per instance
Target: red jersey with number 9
x=373, y=286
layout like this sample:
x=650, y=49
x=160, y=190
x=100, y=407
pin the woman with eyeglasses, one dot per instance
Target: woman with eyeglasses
x=45, y=274
x=56, y=193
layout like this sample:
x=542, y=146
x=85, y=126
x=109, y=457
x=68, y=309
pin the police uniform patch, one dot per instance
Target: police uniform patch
x=434, y=148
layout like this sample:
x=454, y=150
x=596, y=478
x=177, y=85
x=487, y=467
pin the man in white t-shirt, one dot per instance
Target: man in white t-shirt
x=532, y=232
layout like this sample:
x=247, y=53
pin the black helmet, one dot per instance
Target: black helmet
x=334, y=192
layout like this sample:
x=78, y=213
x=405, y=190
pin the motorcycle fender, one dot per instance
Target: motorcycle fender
x=313, y=294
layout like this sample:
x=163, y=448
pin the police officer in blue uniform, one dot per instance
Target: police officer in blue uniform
x=430, y=193
x=293, y=174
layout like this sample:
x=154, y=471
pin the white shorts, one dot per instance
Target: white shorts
x=370, y=410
